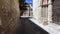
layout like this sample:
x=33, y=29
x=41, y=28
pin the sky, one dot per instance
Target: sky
x=28, y=0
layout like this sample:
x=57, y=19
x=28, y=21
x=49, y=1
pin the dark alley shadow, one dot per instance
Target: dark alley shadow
x=27, y=27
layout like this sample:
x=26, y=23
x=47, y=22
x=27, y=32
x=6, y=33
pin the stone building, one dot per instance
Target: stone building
x=42, y=10
x=29, y=11
x=47, y=11
x=9, y=15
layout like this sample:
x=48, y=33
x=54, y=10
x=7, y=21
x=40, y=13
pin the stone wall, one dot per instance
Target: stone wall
x=56, y=12
x=9, y=15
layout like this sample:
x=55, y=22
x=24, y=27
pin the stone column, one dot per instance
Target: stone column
x=50, y=11
x=37, y=9
x=9, y=15
x=45, y=12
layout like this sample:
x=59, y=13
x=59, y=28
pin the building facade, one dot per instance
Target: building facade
x=29, y=11
x=42, y=10
x=47, y=11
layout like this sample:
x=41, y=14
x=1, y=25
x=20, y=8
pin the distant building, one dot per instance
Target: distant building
x=28, y=12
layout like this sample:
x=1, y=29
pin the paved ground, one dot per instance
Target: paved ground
x=27, y=27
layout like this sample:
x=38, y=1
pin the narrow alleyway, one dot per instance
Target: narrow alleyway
x=27, y=27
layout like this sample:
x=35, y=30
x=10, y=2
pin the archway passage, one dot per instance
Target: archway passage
x=56, y=12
